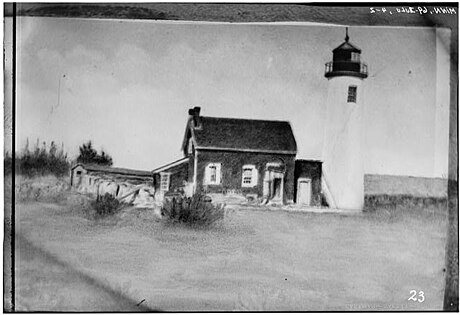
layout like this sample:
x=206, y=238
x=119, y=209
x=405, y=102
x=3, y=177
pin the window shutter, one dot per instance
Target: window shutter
x=255, y=178
x=218, y=173
x=207, y=174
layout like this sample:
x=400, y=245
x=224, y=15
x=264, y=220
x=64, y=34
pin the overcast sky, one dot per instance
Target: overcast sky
x=127, y=86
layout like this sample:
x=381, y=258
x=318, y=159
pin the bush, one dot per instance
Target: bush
x=106, y=205
x=196, y=211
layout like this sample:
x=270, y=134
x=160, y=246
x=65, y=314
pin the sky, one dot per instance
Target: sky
x=127, y=86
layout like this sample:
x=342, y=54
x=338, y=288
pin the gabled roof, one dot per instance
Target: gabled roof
x=247, y=135
x=347, y=46
x=112, y=170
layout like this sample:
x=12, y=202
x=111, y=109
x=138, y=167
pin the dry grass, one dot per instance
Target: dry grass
x=44, y=188
x=254, y=260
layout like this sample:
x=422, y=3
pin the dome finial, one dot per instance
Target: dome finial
x=346, y=34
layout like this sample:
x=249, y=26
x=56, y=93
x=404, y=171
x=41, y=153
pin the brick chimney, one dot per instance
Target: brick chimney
x=195, y=116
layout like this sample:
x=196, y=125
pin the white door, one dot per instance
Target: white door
x=304, y=191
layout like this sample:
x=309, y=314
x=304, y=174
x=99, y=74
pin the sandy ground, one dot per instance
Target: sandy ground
x=254, y=260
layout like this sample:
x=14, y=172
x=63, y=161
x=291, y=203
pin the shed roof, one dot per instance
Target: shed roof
x=171, y=165
x=113, y=170
x=252, y=135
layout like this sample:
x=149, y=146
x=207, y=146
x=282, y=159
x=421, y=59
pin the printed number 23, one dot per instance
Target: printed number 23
x=421, y=296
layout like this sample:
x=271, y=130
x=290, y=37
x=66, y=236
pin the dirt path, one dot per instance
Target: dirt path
x=47, y=283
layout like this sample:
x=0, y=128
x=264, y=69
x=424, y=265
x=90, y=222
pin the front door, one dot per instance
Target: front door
x=304, y=191
x=276, y=188
x=273, y=186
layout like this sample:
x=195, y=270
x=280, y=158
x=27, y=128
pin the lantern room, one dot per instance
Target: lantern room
x=346, y=61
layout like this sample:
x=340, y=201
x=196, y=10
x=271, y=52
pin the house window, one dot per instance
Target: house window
x=352, y=91
x=78, y=172
x=249, y=176
x=212, y=174
x=164, y=182
x=354, y=56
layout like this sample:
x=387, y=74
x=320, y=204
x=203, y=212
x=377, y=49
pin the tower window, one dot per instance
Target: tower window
x=352, y=91
x=354, y=56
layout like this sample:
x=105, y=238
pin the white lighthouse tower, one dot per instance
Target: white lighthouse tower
x=343, y=173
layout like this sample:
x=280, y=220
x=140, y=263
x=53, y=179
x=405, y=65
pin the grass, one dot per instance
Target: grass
x=47, y=189
x=254, y=260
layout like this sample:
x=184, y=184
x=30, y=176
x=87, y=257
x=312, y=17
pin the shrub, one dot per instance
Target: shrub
x=372, y=202
x=196, y=210
x=398, y=208
x=106, y=205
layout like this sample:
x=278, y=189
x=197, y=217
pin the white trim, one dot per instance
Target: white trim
x=162, y=168
x=162, y=176
x=245, y=150
x=254, y=176
x=195, y=170
x=207, y=174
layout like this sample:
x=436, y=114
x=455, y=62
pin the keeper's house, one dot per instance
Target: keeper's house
x=253, y=158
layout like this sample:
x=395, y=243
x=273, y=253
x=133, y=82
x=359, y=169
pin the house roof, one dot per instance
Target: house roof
x=270, y=136
x=113, y=170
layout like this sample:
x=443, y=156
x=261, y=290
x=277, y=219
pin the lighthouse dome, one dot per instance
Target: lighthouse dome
x=347, y=46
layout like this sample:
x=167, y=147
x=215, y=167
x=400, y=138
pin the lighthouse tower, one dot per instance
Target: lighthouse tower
x=343, y=173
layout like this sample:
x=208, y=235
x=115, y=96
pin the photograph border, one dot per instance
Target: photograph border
x=349, y=14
